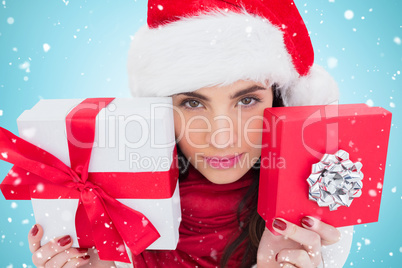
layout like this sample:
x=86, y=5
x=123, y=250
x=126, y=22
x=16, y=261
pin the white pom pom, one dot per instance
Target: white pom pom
x=317, y=88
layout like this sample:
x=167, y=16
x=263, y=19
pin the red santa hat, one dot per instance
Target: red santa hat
x=191, y=44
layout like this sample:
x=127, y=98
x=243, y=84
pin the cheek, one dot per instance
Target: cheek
x=192, y=129
x=252, y=131
x=182, y=142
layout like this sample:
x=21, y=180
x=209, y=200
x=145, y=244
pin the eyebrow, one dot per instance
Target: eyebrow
x=247, y=91
x=236, y=95
x=196, y=95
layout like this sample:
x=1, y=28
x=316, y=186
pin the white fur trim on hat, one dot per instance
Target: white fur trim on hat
x=218, y=48
x=318, y=87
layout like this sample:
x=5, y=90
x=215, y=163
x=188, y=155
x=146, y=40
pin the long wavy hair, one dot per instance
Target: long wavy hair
x=253, y=225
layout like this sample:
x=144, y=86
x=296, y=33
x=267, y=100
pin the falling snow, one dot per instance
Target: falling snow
x=25, y=66
x=372, y=193
x=214, y=254
x=370, y=102
x=40, y=187
x=10, y=20
x=46, y=47
x=121, y=248
x=349, y=14
x=29, y=133
x=144, y=222
x=332, y=62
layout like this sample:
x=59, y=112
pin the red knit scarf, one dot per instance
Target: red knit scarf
x=209, y=223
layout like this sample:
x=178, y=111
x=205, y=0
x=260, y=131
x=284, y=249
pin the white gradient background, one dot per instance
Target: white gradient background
x=89, y=41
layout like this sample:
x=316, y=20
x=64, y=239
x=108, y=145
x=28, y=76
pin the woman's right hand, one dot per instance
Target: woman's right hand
x=295, y=246
x=59, y=253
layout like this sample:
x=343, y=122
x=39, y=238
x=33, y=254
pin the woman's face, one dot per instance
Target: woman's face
x=219, y=128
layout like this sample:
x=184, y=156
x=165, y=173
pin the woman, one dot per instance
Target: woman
x=223, y=63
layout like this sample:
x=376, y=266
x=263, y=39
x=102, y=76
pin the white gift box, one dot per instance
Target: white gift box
x=131, y=135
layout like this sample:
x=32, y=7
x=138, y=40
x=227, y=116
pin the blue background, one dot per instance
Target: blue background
x=89, y=41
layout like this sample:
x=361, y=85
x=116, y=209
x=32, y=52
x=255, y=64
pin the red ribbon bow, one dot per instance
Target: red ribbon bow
x=111, y=222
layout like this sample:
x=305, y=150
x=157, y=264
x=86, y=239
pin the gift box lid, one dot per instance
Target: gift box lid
x=131, y=134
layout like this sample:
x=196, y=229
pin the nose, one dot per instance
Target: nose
x=223, y=132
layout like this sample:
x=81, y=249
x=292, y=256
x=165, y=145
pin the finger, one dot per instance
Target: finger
x=329, y=234
x=62, y=258
x=296, y=257
x=34, y=237
x=77, y=262
x=50, y=249
x=267, y=248
x=310, y=240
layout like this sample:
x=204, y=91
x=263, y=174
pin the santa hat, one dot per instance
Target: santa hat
x=191, y=44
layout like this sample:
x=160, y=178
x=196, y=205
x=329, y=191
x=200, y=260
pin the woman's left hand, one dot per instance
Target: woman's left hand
x=295, y=246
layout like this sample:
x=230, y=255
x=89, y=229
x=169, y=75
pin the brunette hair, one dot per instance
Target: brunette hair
x=253, y=225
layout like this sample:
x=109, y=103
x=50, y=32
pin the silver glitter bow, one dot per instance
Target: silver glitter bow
x=335, y=181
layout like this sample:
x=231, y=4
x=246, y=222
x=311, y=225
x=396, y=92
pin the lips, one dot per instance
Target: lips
x=223, y=162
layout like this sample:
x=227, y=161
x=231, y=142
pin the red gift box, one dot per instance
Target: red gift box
x=295, y=138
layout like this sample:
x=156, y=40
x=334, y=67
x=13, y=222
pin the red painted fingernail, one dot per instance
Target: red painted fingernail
x=34, y=230
x=82, y=250
x=86, y=257
x=307, y=221
x=279, y=224
x=64, y=240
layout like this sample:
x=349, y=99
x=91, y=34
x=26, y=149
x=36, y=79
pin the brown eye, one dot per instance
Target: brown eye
x=246, y=101
x=193, y=104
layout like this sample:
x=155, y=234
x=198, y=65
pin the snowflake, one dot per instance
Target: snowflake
x=349, y=14
x=46, y=47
